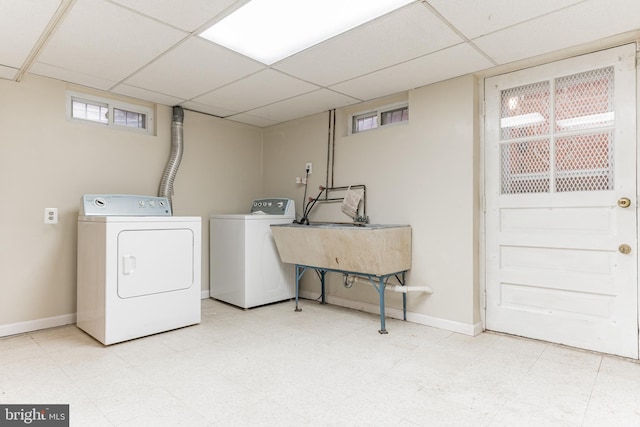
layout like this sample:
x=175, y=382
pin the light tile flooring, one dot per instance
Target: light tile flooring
x=325, y=366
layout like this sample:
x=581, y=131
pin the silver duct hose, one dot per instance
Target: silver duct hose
x=177, y=147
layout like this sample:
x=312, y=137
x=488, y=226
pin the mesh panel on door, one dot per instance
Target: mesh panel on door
x=581, y=157
x=525, y=167
x=525, y=111
x=584, y=101
x=585, y=162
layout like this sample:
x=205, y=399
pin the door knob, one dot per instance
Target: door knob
x=624, y=202
x=624, y=249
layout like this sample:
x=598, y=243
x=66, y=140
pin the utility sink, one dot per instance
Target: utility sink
x=378, y=249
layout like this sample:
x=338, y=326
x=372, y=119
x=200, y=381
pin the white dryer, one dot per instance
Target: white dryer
x=245, y=268
x=139, y=268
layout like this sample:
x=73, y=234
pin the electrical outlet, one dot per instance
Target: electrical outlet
x=50, y=215
x=309, y=167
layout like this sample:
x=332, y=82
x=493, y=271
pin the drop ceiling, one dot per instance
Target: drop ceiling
x=150, y=50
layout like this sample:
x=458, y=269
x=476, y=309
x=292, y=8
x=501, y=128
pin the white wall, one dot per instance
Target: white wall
x=424, y=174
x=49, y=161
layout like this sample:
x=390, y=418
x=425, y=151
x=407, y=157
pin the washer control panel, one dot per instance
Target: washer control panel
x=274, y=206
x=124, y=205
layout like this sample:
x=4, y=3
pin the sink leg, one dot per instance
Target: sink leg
x=298, y=276
x=322, y=274
x=404, y=300
x=381, y=292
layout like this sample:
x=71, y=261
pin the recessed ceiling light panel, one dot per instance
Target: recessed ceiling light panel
x=270, y=30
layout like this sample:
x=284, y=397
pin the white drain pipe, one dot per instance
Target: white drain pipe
x=350, y=279
x=406, y=289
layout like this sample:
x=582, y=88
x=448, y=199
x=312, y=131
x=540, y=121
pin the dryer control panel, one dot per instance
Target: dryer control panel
x=124, y=205
x=273, y=206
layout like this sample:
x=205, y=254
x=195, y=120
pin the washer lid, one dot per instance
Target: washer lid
x=252, y=217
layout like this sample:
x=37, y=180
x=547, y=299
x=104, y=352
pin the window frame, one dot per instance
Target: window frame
x=378, y=113
x=111, y=105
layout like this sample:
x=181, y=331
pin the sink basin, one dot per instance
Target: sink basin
x=378, y=249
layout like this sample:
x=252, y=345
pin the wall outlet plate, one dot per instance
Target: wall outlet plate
x=50, y=215
x=309, y=167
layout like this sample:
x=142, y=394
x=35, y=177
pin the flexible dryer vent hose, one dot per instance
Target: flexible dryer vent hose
x=177, y=147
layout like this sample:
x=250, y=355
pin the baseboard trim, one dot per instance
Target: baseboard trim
x=394, y=313
x=49, y=322
x=37, y=324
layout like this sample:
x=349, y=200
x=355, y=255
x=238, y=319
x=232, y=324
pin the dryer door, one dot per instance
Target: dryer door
x=154, y=261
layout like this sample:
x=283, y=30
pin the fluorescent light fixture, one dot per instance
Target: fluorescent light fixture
x=580, y=122
x=270, y=30
x=589, y=121
x=521, y=120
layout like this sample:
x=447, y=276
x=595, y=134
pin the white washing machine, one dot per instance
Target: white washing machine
x=139, y=268
x=245, y=268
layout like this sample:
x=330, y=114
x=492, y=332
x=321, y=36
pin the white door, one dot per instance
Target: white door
x=560, y=165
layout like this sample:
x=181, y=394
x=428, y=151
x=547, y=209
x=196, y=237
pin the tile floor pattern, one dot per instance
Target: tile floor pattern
x=325, y=366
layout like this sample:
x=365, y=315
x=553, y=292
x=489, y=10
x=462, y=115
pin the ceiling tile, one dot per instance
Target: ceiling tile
x=442, y=65
x=193, y=68
x=146, y=95
x=479, y=17
x=251, y=120
x=187, y=15
x=214, y=111
x=303, y=105
x=259, y=89
x=21, y=25
x=402, y=35
x=70, y=75
x=585, y=22
x=8, y=72
x=106, y=41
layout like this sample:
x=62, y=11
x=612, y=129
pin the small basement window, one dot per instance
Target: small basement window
x=129, y=118
x=94, y=112
x=382, y=117
x=109, y=112
x=365, y=121
x=397, y=115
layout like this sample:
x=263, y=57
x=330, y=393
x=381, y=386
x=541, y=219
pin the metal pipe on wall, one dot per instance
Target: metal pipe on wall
x=177, y=148
x=331, y=138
